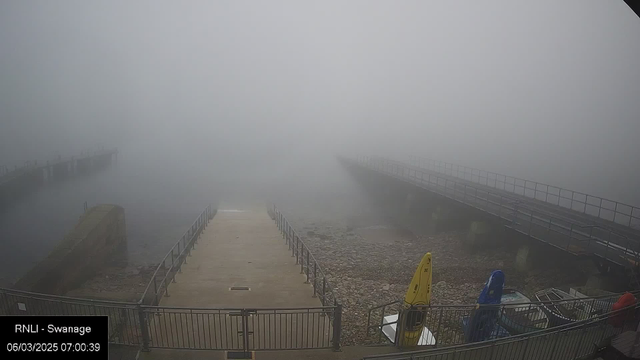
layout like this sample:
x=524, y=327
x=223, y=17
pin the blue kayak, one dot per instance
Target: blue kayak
x=482, y=324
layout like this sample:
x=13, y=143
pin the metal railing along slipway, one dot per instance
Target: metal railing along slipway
x=577, y=340
x=564, y=233
x=310, y=267
x=127, y=321
x=447, y=322
x=124, y=321
x=602, y=208
x=172, y=262
x=148, y=325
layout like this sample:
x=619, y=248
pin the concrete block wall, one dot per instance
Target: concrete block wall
x=99, y=234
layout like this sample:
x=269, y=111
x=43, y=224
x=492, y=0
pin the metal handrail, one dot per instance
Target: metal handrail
x=513, y=200
x=376, y=315
x=187, y=241
x=492, y=179
x=636, y=293
x=518, y=202
x=297, y=246
x=573, y=222
x=136, y=323
x=544, y=204
x=468, y=195
x=410, y=355
x=42, y=296
x=140, y=325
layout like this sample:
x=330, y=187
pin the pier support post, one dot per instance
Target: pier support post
x=525, y=257
x=478, y=234
x=445, y=218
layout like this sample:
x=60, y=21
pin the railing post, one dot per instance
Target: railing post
x=185, y=249
x=315, y=276
x=570, y=235
x=399, y=338
x=324, y=286
x=290, y=232
x=155, y=290
x=438, y=328
x=571, y=206
x=142, y=319
x=173, y=266
x=308, y=269
x=179, y=260
x=337, y=326
x=245, y=330
x=301, y=258
x=166, y=287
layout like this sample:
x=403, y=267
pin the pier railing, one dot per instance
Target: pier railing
x=6, y=170
x=562, y=232
x=599, y=207
x=147, y=325
x=451, y=324
x=310, y=267
x=171, y=264
x=299, y=328
x=239, y=329
x=577, y=340
x=124, y=324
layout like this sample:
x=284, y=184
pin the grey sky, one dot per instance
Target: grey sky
x=545, y=90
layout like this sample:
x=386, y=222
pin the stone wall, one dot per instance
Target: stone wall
x=100, y=232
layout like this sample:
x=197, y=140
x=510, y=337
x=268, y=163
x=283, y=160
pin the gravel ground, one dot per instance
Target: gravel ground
x=117, y=281
x=370, y=260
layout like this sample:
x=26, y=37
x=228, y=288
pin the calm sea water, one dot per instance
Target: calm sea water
x=159, y=207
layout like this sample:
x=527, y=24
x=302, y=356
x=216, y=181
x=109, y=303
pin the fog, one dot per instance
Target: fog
x=248, y=95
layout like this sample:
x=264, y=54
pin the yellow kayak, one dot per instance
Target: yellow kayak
x=418, y=295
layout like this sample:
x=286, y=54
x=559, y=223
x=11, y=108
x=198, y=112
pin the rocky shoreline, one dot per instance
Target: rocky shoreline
x=370, y=260
x=118, y=281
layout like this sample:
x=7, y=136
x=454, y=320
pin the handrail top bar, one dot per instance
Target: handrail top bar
x=533, y=303
x=64, y=298
x=329, y=288
x=328, y=307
